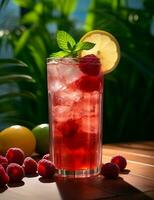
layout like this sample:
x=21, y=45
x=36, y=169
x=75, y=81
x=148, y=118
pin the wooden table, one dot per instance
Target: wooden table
x=136, y=184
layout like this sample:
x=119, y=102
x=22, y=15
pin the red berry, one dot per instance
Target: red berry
x=46, y=156
x=3, y=161
x=120, y=161
x=30, y=166
x=90, y=65
x=15, y=172
x=89, y=83
x=110, y=170
x=15, y=155
x=4, y=178
x=45, y=168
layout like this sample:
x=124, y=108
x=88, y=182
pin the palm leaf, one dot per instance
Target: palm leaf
x=14, y=96
x=25, y=94
x=3, y=3
x=16, y=77
x=65, y=7
x=139, y=63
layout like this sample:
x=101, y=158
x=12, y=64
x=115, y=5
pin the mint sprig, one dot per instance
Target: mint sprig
x=69, y=46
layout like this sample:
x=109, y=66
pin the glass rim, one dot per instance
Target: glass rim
x=54, y=59
x=62, y=59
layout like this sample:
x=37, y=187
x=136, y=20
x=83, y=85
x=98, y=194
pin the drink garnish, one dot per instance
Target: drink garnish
x=97, y=42
x=70, y=48
x=90, y=65
x=106, y=49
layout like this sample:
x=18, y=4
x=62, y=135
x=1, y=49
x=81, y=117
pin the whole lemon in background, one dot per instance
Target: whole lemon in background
x=17, y=136
x=41, y=133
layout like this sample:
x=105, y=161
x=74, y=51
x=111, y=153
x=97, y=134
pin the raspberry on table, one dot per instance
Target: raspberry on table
x=4, y=178
x=90, y=65
x=46, y=168
x=89, y=83
x=3, y=161
x=15, y=155
x=29, y=166
x=110, y=170
x=120, y=161
x=15, y=172
x=46, y=156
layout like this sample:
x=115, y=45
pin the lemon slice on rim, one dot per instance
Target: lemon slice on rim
x=106, y=49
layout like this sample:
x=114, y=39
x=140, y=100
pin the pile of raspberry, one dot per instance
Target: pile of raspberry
x=14, y=166
x=112, y=169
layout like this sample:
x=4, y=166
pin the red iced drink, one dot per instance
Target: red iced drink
x=75, y=92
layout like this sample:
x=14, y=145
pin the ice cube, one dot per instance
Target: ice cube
x=88, y=105
x=68, y=96
x=91, y=103
x=72, y=95
x=90, y=124
x=56, y=85
x=69, y=70
x=61, y=113
x=52, y=69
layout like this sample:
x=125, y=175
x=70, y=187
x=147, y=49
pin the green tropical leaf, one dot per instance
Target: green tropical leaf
x=25, y=4
x=25, y=94
x=139, y=63
x=16, y=77
x=40, y=63
x=3, y=3
x=66, y=7
x=23, y=41
x=30, y=17
x=8, y=119
x=11, y=62
x=11, y=66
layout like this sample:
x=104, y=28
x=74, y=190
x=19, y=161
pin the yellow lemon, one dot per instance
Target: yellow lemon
x=106, y=49
x=17, y=136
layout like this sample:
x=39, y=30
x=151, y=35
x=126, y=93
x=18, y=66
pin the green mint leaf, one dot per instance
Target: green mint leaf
x=84, y=46
x=63, y=39
x=60, y=54
x=71, y=48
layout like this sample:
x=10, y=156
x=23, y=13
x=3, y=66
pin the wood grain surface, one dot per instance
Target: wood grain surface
x=136, y=183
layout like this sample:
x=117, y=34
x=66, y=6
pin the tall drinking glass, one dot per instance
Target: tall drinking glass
x=75, y=100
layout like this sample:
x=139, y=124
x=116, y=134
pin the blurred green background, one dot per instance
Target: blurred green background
x=27, y=38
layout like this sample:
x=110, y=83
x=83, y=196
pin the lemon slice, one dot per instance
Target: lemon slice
x=106, y=49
